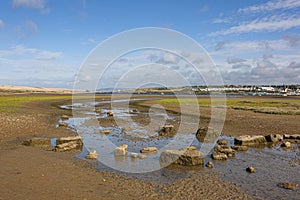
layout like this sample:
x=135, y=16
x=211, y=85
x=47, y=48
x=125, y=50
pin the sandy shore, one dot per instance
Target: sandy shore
x=37, y=173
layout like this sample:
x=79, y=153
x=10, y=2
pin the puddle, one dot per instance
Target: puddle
x=272, y=163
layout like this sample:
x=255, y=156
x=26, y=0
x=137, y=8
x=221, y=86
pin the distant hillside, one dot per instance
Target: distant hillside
x=28, y=89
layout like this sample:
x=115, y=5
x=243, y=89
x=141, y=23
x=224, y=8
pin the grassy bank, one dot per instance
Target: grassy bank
x=268, y=106
x=10, y=104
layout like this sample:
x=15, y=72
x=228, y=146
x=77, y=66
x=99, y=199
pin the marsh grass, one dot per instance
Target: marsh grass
x=287, y=106
x=11, y=104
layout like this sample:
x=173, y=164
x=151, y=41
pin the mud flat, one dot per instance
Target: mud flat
x=40, y=173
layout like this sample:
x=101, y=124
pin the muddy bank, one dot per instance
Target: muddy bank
x=36, y=173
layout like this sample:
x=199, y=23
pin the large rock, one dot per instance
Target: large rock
x=219, y=156
x=68, y=143
x=222, y=142
x=148, y=149
x=286, y=145
x=240, y=148
x=274, y=138
x=167, y=130
x=250, y=140
x=181, y=157
x=225, y=149
x=63, y=140
x=68, y=146
x=38, y=142
x=206, y=134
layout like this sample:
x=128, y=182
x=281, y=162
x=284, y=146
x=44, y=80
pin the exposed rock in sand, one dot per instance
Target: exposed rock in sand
x=37, y=142
x=63, y=140
x=110, y=113
x=274, y=138
x=121, y=150
x=167, y=130
x=64, y=117
x=250, y=140
x=209, y=165
x=219, y=156
x=106, y=132
x=250, y=169
x=286, y=145
x=68, y=146
x=222, y=142
x=148, y=149
x=289, y=186
x=240, y=148
x=225, y=149
x=93, y=155
x=206, y=134
x=292, y=137
x=181, y=157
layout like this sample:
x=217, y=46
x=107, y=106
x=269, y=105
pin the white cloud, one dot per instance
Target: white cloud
x=89, y=41
x=30, y=53
x=36, y=4
x=274, y=23
x=33, y=4
x=28, y=28
x=272, y=5
x=1, y=24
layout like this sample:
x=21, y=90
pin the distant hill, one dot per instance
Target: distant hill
x=28, y=89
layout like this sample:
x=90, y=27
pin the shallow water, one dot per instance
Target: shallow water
x=272, y=163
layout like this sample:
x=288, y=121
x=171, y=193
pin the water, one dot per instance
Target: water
x=273, y=164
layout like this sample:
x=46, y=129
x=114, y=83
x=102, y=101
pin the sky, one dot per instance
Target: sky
x=44, y=42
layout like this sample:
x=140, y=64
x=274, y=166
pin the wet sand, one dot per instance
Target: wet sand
x=38, y=173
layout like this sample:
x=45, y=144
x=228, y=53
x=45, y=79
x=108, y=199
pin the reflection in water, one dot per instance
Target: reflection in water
x=273, y=164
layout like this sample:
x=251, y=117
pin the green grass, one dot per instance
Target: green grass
x=10, y=104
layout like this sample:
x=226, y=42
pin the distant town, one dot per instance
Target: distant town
x=256, y=90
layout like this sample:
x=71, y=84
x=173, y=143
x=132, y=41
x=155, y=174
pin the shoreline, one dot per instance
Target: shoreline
x=30, y=171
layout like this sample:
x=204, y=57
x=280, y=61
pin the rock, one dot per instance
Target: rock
x=181, y=157
x=134, y=155
x=209, y=165
x=289, y=186
x=250, y=169
x=225, y=149
x=142, y=156
x=110, y=113
x=68, y=146
x=121, y=150
x=93, y=155
x=134, y=111
x=286, y=145
x=68, y=143
x=63, y=124
x=274, y=138
x=63, y=140
x=219, y=156
x=189, y=148
x=250, y=140
x=38, y=142
x=64, y=117
x=148, y=149
x=292, y=137
x=222, y=142
x=206, y=134
x=106, y=132
x=167, y=130
x=240, y=148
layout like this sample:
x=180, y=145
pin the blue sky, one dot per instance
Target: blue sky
x=43, y=42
